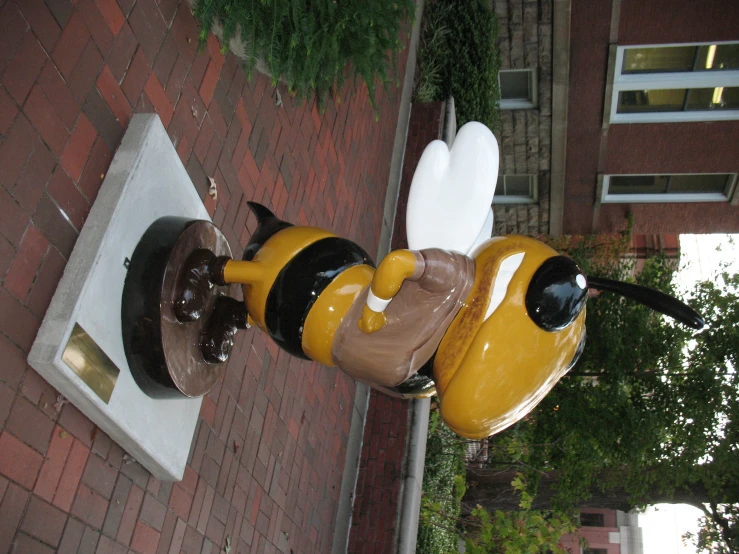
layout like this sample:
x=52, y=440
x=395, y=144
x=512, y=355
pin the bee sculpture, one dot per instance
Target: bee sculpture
x=489, y=324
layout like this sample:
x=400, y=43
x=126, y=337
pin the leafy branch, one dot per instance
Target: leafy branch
x=314, y=45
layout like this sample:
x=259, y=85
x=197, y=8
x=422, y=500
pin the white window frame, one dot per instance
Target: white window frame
x=662, y=198
x=677, y=80
x=531, y=199
x=519, y=103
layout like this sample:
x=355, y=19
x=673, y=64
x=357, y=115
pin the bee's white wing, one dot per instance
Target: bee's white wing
x=486, y=233
x=449, y=204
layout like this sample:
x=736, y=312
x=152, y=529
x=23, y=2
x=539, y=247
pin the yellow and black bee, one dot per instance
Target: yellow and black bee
x=490, y=333
x=487, y=324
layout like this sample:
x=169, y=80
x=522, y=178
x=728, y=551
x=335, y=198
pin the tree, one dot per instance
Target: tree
x=493, y=491
x=649, y=414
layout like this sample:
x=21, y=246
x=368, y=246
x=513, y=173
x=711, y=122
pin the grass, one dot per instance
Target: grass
x=313, y=45
x=458, y=56
x=432, y=52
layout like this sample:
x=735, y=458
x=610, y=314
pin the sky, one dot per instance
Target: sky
x=699, y=257
x=663, y=525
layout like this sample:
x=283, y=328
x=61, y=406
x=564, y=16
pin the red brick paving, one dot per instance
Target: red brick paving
x=265, y=466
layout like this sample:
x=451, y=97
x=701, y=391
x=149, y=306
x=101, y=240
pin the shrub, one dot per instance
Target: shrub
x=525, y=530
x=433, y=53
x=445, y=519
x=459, y=57
x=443, y=487
x=309, y=43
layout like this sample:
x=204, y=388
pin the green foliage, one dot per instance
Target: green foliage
x=516, y=532
x=433, y=52
x=649, y=414
x=442, y=525
x=443, y=488
x=719, y=531
x=601, y=255
x=459, y=57
x=310, y=43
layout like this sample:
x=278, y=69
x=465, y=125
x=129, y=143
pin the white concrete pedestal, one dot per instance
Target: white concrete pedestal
x=146, y=181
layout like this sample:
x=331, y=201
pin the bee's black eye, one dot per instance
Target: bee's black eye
x=579, y=351
x=556, y=294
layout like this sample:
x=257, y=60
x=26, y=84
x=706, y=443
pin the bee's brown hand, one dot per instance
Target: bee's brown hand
x=371, y=321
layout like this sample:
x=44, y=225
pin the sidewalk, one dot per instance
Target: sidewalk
x=266, y=466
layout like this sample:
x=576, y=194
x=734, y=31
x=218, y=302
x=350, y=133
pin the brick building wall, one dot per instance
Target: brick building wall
x=525, y=42
x=600, y=537
x=665, y=21
x=645, y=148
x=378, y=494
x=590, y=28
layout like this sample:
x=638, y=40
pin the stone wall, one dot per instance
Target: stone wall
x=525, y=41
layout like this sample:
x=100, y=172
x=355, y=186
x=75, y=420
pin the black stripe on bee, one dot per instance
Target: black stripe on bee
x=301, y=282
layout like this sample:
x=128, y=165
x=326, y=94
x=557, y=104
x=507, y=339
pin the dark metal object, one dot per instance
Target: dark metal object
x=199, y=274
x=415, y=385
x=228, y=316
x=193, y=286
x=164, y=355
x=651, y=298
x=419, y=383
x=554, y=298
x=301, y=282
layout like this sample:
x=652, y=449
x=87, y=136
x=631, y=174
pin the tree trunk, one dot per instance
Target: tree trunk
x=492, y=489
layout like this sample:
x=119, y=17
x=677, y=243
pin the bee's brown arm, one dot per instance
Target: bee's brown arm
x=395, y=268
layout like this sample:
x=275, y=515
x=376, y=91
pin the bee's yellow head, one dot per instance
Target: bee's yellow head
x=521, y=329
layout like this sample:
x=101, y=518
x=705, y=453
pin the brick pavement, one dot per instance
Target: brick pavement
x=265, y=467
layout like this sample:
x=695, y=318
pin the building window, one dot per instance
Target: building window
x=517, y=89
x=515, y=189
x=695, y=187
x=595, y=551
x=683, y=82
x=592, y=520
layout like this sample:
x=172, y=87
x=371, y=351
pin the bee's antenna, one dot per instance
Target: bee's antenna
x=651, y=298
x=268, y=225
x=262, y=212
